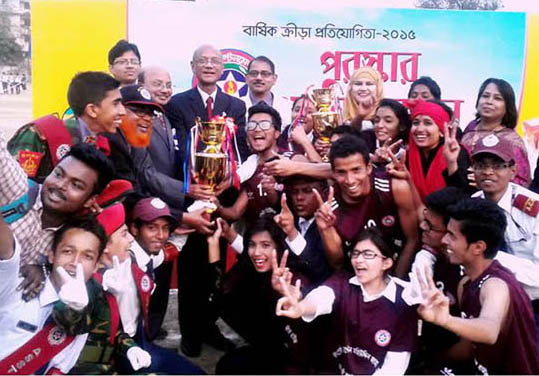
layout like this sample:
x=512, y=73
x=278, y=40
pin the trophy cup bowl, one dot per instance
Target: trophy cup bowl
x=210, y=168
x=323, y=99
x=212, y=133
x=324, y=123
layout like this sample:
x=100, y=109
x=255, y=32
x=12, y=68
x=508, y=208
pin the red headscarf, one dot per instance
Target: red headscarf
x=434, y=179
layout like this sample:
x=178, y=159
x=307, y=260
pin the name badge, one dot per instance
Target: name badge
x=27, y=326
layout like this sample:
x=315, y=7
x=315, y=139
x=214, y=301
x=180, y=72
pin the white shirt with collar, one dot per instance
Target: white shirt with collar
x=205, y=96
x=299, y=243
x=128, y=299
x=281, y=104
x=521, y=238
x=20, y=320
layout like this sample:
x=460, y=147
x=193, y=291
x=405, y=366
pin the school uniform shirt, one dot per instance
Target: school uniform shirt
x=20, y=320
x=515, y=349
x=369, y=333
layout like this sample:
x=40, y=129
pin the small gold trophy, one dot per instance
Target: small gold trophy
x=210, y=164
x=324, y=119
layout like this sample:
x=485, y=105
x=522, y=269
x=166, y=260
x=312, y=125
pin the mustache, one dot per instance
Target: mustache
x=58, y=192
x=135, y=137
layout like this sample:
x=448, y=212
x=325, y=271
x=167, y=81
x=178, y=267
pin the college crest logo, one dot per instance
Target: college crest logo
x=145, y=284
x=62, y=150
x=56, y=336
x=382, y=337
x=232, y=81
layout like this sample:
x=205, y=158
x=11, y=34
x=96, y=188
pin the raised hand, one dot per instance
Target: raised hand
x=214, y=238
x=324, y=216
x=116, y=280
x=451, y=145
x=299, y=136
x=33, y=281
x=321, y=147
x=397, y=168
x=73, y=289
x=285, y=219
x=278, y=167
x=435, y=306
x=381, y=154
x=279, y=272
x=289, y=305
x=200, y=192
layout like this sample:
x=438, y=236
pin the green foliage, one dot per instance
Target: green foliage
x=10, y=51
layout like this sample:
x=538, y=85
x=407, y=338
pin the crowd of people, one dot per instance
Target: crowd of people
x=405, y=244
x=13, y=82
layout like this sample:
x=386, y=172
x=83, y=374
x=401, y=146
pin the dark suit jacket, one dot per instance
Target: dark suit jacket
x=312, y=261
x=162, y=150
x=183, y=108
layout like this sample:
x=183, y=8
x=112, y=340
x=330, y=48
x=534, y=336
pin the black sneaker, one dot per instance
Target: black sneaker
x=218, y=341
x=190, y=348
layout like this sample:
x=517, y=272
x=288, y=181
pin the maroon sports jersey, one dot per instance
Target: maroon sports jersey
x=377, y=209
x=514, y=352
x=363, y=332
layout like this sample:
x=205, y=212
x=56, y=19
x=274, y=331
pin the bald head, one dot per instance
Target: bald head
x=207, y=66
x=157, y=80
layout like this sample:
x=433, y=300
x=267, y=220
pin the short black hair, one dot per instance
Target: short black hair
x=440, y=201
x=87, y=223
x=263, y=59
x=96, y=160
x=347, y=146
x=264, y=108
x=428, y=82
x=89, y=87
x=480, y=219
x=509, y=120
x=343, y=130
x=405, y=122
x=121, y=47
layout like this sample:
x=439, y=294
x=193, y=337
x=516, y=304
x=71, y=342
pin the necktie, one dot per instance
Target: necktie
x=209, y=103
x=303, y=225
x=149, y=269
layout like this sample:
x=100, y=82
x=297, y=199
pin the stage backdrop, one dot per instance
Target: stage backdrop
x=310, y=42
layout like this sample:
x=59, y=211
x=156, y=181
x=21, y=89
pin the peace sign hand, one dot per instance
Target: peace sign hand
x=397, y=168
x=324, y=216
x=280, y=272
x=285, y=219
x=435, y=306
x=451, y=145
x=116, y=280
x=73, y=289
x=381, y=154
x=289, y=305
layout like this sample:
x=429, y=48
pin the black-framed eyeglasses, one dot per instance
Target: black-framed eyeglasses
x=263, y=124
x=367, y=254
x=126, y=61
x=141, y=111
x=428, y=226
x=497, y=166
x=255, y=73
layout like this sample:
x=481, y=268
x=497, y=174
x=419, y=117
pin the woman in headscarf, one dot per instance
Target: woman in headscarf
x=364, y=93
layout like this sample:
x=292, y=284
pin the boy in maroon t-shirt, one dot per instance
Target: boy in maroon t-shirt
x=365, y=200
x=497, y=317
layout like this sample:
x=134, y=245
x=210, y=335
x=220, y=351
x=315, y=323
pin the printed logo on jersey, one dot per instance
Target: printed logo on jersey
x=382, y=338
x=56, y=336
x=232, y=81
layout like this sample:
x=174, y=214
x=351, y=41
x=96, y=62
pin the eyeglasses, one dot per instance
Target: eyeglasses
x=141, y=112
x=263, y=124
x=428, y=226
x=480, y=166
x=366, y=254
x=255, y=74
x=213, y=61
x=126, y=61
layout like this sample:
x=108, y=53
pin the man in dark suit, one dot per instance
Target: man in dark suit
x=205, y=100
x=302, y=236
x=197, y=321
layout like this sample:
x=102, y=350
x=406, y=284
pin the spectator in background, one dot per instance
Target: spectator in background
x=124, y=62
x=424, y=88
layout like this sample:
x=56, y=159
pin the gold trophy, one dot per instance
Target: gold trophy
x=210, y=164
x=324, y=119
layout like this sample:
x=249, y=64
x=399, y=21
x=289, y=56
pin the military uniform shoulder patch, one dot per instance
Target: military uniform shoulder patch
x=29, y=161
x=527, y=205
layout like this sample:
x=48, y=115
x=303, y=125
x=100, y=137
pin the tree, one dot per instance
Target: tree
x=460, y=4
x=10, y=51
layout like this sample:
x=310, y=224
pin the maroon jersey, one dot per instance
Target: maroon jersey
x=257, y=199
x=514, y=352
x=363, y=332
x=377, y=209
